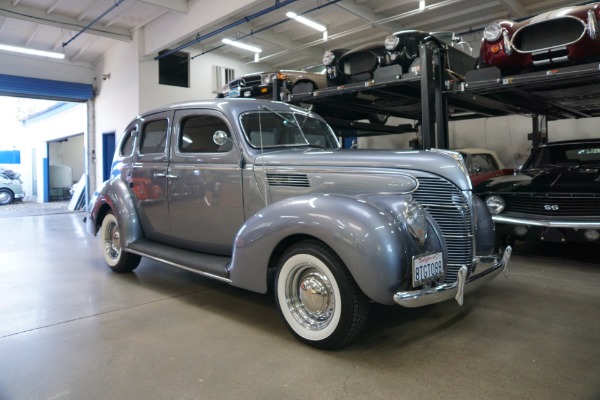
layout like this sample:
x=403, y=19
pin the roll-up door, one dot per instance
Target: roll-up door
x=20, y=86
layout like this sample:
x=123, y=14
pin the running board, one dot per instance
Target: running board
x=208, y=265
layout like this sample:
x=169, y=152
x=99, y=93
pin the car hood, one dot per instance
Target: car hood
x=443, y=163
x=569, y=180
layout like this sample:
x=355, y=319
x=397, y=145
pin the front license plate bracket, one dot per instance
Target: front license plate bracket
x=427, y=267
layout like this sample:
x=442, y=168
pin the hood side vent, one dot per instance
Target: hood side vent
x=290, y=180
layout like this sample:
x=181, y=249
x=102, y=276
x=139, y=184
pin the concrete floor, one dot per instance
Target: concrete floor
x=72, y=329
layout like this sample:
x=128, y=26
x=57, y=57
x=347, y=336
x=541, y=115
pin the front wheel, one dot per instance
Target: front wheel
x=110, y=237
x=378, y=118
x=6, y=197
x=317, y=296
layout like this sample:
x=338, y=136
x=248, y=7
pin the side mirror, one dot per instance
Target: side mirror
x=220, y=138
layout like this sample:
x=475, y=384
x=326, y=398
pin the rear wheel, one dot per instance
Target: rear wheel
x=110, y=237
x=317, y=296
x=6, y=197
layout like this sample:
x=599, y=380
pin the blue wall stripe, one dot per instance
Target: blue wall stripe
x=21, y=86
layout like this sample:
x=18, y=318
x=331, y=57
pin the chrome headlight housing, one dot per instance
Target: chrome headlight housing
x=328, y=57
x=391, y=42
x=268, y=78
x=492, y=32
x=415, y=218
x=495, y=204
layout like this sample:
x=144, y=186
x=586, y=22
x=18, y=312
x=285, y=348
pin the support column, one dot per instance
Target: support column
x=427, y=97
x=89, y=144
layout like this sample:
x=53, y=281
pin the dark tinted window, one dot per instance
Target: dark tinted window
x=197, y=134
x=154, y=137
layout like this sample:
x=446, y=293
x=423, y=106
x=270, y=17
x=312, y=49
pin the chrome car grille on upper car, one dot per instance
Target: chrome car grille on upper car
x=450, y=209
x=250, y=80
x=545, y=35
x=568, y=205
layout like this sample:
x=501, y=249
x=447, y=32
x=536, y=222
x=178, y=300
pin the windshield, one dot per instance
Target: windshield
x=576, y=154
x=269, y=128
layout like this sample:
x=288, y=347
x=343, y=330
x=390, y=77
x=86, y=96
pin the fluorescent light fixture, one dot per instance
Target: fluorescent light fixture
x=32, y=52
x=306, y=21
x=421, y=5
x=242, y=45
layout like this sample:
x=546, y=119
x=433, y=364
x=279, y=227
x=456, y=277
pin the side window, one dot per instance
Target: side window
x=127, y=143
x=154, y=137
x=197, y=132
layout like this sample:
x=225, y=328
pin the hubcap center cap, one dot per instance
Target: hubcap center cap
x=314, y=294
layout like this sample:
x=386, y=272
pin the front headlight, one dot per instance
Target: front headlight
x=328, y=57
x=268, y=78
x=492, y=32
x=416, y=220
x=391, y=42
x=495, y=204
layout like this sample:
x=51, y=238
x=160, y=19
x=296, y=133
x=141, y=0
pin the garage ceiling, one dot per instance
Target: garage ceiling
x=84, y=29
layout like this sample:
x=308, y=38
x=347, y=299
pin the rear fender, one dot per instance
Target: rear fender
x=365, y=233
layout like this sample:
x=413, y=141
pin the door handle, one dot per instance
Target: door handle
x=166, y=175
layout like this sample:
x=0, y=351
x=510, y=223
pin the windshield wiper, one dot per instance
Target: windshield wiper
x=282, y=116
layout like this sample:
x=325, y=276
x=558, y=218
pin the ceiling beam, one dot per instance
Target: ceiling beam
x=59, y=21
x=175, y=5
x=367, y=15
x=515, y=8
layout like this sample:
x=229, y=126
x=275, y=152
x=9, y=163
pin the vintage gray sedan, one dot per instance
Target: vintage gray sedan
x=260, y=195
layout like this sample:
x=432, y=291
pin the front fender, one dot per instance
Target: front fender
x=366, y=233
x=115, y=196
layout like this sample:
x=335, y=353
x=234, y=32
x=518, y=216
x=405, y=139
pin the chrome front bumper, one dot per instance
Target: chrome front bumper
x=456, y=290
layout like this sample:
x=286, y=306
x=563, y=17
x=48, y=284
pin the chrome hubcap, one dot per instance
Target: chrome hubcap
x=4, y=197
x=311, y=299
x=112, y=241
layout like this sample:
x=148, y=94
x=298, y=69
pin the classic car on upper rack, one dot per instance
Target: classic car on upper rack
x=397, y=53
x=260, y=195
x=554, y=197
x=259, y=85
x=483, y=164
x=568, y=35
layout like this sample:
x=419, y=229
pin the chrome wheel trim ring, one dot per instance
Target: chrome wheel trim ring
x=112, y=241
x=310, y=296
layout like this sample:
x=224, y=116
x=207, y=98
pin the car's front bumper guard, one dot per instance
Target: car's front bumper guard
x=456, y=290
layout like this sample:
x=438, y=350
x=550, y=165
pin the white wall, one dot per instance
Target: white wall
x=28, y=66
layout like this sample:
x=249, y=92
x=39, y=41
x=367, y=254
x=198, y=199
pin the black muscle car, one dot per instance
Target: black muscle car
x=554, y=197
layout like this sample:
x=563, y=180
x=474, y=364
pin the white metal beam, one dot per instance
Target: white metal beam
x=515, y=8
x=60, y=21
x=175, y=5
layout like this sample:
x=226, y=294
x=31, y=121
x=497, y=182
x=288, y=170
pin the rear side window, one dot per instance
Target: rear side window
x=154, y=137
x=127, y=143
x=197, y=133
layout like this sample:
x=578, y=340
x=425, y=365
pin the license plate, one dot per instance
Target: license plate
x=427, y=267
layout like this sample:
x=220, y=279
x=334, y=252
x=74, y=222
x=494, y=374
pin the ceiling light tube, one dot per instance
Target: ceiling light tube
x=306, y=21
x=32, y=52
x=242, y=45
x=421, y=5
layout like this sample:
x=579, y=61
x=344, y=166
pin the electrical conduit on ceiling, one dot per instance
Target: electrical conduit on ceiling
x=270, y=26
x=88, y=26
x=267, y=10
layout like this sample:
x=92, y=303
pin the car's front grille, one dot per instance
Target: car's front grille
x=548, y=34
x=359, y=63
x=553, y=206
x=450, y=209
x=250, y=80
